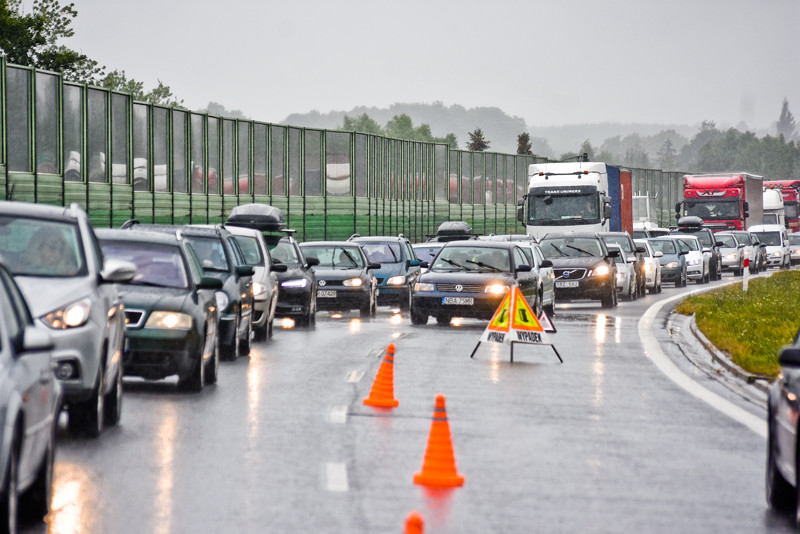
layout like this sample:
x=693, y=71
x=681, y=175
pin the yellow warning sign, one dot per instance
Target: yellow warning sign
x=523, y=317
x=502, y=317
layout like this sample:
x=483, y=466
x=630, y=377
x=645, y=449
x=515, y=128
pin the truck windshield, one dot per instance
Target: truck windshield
x=713, y=209
x=558, y=210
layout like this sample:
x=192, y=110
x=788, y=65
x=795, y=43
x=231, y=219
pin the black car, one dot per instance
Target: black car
x=783, y=414
x=693, y=225
x=470, y=279
x=673, y=261
x=626, y=243
x=30, y=401
x=345, y=279
x=221, y=258
x=297, y=294
x=583, y=266
x=170, y=308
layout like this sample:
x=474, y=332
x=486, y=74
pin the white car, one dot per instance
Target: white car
x=776, y=239
x=697, y=268
x=626, y=273
x=544, y=268
x=652, y=266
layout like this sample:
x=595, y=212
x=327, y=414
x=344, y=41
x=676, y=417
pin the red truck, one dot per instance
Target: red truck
x=724, y=201
x=790, y=190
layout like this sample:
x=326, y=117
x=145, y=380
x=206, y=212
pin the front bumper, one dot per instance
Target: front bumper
x=594, y=288
x=157, y=353
x=346, y=299
x=388, y=295
x=81, y=346
x=432, y=303
x=670, y=275
x=293, y=302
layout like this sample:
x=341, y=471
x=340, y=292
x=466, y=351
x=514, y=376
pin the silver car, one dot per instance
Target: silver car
x=652, y=266
x=544, y=270
x=55, y=258
x=732, y=251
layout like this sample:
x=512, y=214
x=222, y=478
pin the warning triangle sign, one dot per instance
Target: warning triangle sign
x=502, y=317
x=546, y=323
x=522, y=316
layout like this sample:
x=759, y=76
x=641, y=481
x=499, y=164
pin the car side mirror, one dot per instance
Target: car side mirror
x=524, y=268
x=789, y=357
x=36, y=339
x=719, y=243
x=706, y=250
x=658, y=254
x=374, y=266
x=209, y=282
x=425, y=265
x=546, y=263
x=413, y=263
x=245, y=270
x=683, y=253
x=118, y=271
x=312, y=261
x=279, y=267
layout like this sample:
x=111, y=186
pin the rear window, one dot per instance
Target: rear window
x=250, y=250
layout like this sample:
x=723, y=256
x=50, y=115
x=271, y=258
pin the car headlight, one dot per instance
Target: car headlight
x=600, y=270
x=222, y=300
x=396, y=281
x=423, y=286
x=70, y=316
x=776, y=254
x=259, y=289
x=797, y=251
x=732, y=256
x=169, y=321
x=672, y=265
x=648, y=267
x=298, y=282
x=353, y=282
x=496, y=289
x=620, y=275
x=693, y=262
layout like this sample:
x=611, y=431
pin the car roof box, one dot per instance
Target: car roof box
x=452, y=228
x=262, y=217
x=690, y=221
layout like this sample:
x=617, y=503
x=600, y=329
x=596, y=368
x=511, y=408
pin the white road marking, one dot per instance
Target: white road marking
x=653, y=351
x=337, y=476
x=338, y=415
x=355, y=376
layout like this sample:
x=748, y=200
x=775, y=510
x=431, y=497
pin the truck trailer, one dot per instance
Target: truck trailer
x=724, y=201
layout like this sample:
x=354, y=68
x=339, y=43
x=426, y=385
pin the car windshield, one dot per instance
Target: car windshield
x=646, y=252
x=691, y=243
x=250, y=250
x=156, y=265
x=743, y=238
x=37, y=247
x=769, y=238
x=664, y=246
x=570, y=247
x=210, y=251
x=284, y=251
x=426, y=253
x=467, y=258
x=727, y=240
x=335, y=256
x=621, y=240
x=382, y=252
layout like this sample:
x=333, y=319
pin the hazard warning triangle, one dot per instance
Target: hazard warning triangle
x=523, y=317
x=502, y=317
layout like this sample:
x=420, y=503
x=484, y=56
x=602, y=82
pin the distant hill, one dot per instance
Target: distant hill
x=498, y=127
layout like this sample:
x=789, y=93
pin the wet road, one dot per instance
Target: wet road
x=601, y=443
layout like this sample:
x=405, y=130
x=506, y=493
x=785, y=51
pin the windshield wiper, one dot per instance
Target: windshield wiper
x=485, y=266
x=350, y=257
x=580, y=250
x=455, y=264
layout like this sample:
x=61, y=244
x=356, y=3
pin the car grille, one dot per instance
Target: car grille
x=380, y=280
x=569, y=274
x=465, y=288
x=133, y=318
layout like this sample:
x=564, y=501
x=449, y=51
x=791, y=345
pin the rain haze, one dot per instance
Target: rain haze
x=550, y=63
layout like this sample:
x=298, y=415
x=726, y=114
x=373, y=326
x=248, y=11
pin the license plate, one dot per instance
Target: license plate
x=463, y=301
x=326, y=293
x=567, y=283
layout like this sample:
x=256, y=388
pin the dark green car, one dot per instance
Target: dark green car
x=170, y=308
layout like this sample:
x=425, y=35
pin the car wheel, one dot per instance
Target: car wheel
x=35, y=503
x=418, y=317
x=244, y=343
x=366, y=309
x=443, y=319
x=113, y=402
x=261, y=333
x=9, y=499
x=88, y=417
x=608, y=301
x=230, y=352
x=538, y=305
x=405, y=303
x=780, y=493
x=197, y=380
x=213, y=364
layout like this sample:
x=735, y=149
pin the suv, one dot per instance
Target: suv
x=222, y=258
x=56, y=259
x=692, y=225
x=583, y=266
x=399, y=269
x=625, y=242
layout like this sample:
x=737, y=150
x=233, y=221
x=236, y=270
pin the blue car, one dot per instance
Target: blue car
x=399, y=269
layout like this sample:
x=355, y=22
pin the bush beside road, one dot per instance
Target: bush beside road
x=751, y=327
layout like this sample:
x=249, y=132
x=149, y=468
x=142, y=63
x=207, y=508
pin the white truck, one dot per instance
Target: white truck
x=576, y=196
x=773, y=207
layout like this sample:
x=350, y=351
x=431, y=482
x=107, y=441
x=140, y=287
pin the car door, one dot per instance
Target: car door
x=545, y=273
x=528, y=281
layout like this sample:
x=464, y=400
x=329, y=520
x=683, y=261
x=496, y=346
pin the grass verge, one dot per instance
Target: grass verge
x=751, y=327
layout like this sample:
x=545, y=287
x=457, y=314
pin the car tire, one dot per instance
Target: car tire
x=9, y=500
x=113, y=401
x=35, y=503
x=608, y=301
x=244, y=343
x=213, y=365
x=781, y=495
x=550, y=309
x=88, y=417
x=538, y=305
x=229, y=353
x=197, y=380
x=261, y=333
x=368, y=309
x=418, y=318
x=443, y=319
x=405, y=302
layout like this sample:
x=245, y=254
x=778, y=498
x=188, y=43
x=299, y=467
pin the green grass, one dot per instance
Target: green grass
x=751, y=327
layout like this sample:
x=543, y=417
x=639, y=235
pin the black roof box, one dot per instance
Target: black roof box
x=450, y=228
x=262, y=217
x=690, y=221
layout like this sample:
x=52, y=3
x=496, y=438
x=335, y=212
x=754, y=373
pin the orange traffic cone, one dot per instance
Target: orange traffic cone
x=382, y=392
x=439, y=465
x=414, y=523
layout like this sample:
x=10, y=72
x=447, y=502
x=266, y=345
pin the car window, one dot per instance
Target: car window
x=727, y=240
x=537, y=252
x=37, y=247
x=794, y=239
x=383, y=252
x=570, y=247
x=664, y=246
x=528, y=256
x=520, y=259
x=14, y=310
x=690, y=243
x=646, y=252
x=156, y=264
x=621, y=240
x=284, y=251
x=744, y=238
x=211, y=252
x=768, y=238
x=250, y=250
x=426, y=253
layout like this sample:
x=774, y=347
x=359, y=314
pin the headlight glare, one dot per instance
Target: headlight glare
x=672, y=265
x=601, y=270
x=496, y=289
x=70, y=316
x=222, y=300
x=423, y=286
x=298, y=282
x=259, y=289
x=353, y=282
x=169, y=321
x=396, y=281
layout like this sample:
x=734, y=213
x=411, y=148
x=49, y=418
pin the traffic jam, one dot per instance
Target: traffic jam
x=170, y=316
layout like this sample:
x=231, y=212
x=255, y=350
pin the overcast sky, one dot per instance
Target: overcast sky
x=550, y=62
